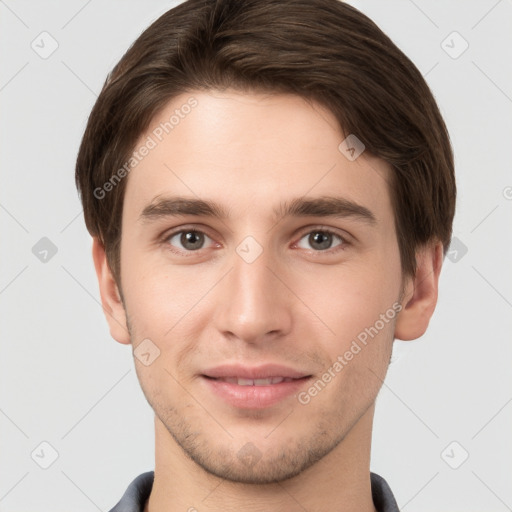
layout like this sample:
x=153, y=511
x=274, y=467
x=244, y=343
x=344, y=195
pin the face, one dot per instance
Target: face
x=249, y=239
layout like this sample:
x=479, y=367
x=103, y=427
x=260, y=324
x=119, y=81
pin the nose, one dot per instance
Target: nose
x=253, y=305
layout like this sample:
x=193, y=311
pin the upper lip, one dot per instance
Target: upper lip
x=255, y=372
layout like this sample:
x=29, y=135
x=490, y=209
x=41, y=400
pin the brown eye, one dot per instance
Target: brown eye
x=320, y=240
x=188, y=240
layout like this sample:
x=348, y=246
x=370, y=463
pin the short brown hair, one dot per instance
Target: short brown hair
x=322, y=50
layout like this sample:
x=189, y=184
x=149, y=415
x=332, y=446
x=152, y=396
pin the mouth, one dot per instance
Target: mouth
x=256, y=388
x=254, y=373
x=269, y=381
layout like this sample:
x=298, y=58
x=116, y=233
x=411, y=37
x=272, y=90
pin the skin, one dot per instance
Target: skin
x=297, y=304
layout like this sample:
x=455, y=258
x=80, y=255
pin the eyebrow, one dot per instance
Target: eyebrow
x=325, y=206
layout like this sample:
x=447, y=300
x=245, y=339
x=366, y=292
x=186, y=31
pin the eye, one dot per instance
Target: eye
x=187, y=240
x=321, y=240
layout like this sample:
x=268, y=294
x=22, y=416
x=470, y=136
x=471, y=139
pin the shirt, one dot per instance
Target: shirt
x=135, y=497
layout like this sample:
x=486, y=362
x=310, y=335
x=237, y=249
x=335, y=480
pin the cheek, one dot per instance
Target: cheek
x=157, y=295
x=351, y=298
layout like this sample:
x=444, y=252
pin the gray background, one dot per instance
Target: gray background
x=65, y=382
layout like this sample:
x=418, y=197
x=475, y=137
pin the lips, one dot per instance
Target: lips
x=254, y=382
x=257, y=387
x=255, y=373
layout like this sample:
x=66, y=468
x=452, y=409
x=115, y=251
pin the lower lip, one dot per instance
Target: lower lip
x=254, y=397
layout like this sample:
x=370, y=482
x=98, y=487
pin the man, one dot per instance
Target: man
x=270, y=189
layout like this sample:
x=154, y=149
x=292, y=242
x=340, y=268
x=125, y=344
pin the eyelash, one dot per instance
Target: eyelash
x=341, y=247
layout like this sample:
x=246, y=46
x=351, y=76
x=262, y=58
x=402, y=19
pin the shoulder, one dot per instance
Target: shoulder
x=136, y=495
x=382, y=495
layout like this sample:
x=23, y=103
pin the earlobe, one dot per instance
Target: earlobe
x=110, y=297
x=420, y=297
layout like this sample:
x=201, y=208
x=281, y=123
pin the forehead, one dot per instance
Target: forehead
x=251, y=150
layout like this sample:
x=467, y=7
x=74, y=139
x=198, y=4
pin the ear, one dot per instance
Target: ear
x=110, y=297
x=420, y=294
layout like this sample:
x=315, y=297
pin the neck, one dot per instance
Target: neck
x=338, y=481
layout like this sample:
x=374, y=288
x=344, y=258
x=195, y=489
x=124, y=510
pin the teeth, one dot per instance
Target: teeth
x=266, y=382
x=255, y=382
x=245, y=382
